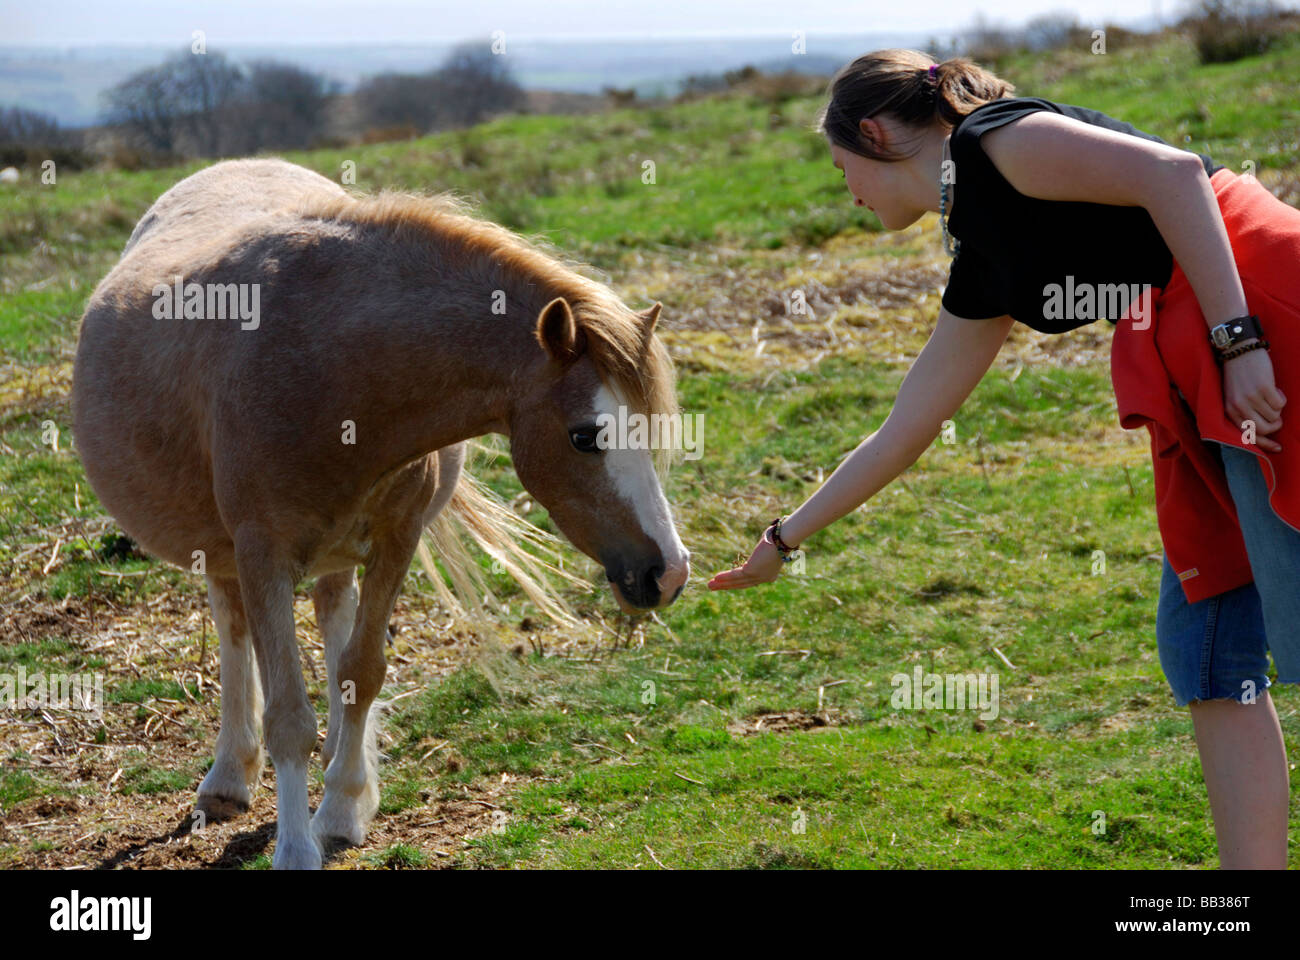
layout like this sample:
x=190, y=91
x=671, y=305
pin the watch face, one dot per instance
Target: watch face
x=1220, y=337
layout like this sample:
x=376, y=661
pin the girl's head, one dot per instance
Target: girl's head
x=882, y=104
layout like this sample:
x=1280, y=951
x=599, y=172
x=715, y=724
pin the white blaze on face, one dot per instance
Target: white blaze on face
x=633, y=475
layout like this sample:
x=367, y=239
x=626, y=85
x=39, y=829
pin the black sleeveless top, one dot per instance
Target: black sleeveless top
x=1014, y=247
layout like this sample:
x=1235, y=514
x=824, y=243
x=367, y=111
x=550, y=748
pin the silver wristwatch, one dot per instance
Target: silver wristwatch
x=1235, y=331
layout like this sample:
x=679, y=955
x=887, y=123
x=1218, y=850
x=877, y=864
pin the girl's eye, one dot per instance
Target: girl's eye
x=584, y=440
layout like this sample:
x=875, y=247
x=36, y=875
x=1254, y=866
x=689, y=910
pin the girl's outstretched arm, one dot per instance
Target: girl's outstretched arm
x=954, y=359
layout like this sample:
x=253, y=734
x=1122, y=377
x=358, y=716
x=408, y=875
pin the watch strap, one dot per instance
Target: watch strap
x=1232, y=332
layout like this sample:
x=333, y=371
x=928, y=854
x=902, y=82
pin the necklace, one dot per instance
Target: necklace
x=950, y=246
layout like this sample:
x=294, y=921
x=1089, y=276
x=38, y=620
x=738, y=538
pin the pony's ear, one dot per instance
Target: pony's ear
x=559, y=334
x=651, y=317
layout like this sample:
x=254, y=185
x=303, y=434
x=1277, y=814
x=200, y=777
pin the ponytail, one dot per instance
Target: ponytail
x=901, y=83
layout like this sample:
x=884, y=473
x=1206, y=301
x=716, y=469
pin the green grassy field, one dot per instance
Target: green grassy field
x=751, y=728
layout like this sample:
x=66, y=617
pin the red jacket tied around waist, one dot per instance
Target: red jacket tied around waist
x=1166, y=349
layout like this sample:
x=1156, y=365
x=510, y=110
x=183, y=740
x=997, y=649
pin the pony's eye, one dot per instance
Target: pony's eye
x=584, y=440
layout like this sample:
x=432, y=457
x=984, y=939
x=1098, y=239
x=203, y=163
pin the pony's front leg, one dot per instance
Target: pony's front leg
x=335, y=599
x=226, y=790
x=289, y=722
x=352, y=777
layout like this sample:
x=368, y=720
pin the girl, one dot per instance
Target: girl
x=1037, y=197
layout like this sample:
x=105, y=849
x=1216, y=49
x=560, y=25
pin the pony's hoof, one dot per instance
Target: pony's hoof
x=338, y=824
x=297, y=853
x=224, y=792
x=211, y=808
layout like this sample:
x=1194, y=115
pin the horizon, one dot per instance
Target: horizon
x=64, y=73
x=299, y=23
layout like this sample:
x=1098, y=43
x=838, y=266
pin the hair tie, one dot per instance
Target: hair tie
x=933, y=68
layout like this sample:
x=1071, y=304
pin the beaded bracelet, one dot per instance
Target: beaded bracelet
x=773, y=536
x=1260, y=344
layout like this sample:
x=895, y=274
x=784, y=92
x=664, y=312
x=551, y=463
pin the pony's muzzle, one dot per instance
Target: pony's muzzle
x=672, y=580
x=645, y=587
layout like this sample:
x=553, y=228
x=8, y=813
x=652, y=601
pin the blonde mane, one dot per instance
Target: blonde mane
x=645, y=376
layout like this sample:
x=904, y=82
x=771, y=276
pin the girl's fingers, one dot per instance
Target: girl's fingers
x=739, y=577
x=1263, y=426
x=1270, y=411
x=1265, y=423
x=731, y=579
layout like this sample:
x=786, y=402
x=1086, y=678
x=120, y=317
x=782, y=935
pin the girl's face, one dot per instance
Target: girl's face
x=884, y=188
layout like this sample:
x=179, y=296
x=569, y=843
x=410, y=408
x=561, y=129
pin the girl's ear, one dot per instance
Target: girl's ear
x=872, y=131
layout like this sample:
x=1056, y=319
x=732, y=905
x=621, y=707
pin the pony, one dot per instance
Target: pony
x=278, y=379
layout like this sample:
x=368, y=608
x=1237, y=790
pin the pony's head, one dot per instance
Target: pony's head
x=582, y=437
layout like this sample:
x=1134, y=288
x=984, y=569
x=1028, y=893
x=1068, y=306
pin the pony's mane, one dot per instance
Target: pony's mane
x=614, y=331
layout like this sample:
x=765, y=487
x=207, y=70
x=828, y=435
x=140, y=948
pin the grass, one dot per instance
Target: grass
x=1026, y=547
x=1236, y=112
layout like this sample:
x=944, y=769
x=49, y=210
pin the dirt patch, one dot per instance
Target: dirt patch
x=786, y=722
x=1118, y=722
x=139, y=832
x=113, y=787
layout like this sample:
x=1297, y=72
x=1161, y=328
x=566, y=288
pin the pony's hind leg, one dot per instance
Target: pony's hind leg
x=352, y=777
x=227, y=788
x=289, y=721
x=335, y=598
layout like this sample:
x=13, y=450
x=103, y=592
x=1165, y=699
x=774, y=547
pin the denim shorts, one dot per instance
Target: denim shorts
x=1218, y=647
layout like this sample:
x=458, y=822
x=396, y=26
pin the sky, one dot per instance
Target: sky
x=229, y=22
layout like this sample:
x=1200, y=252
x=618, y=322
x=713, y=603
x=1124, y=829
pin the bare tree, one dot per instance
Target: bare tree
x=182, y=105
x=27, y=126
x=285, y=106
x=471, y=84
x=202, y=104
x=397, y=99
x=28, y=137
x=474, y=82
x=140, y=104
x=207, y=87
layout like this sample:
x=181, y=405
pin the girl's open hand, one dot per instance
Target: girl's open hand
x=763, y=566
x=1250, y=394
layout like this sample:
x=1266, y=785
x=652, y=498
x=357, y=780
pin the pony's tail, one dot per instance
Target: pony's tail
x=503, y=535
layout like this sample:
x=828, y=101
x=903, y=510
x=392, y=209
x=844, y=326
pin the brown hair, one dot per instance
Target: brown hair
x=899, y=81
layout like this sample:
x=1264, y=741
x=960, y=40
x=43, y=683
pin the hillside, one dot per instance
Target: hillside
x=771, y=702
